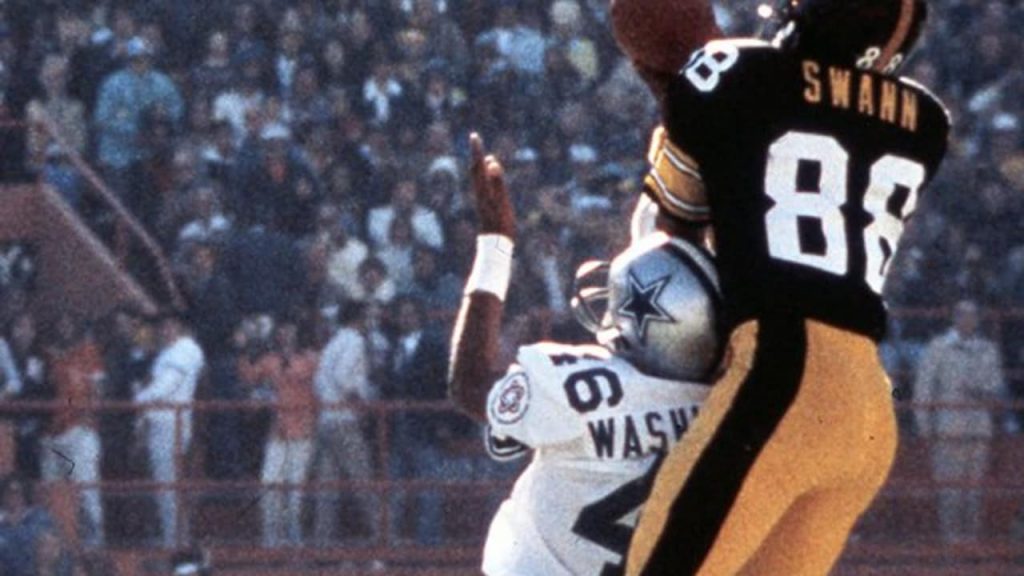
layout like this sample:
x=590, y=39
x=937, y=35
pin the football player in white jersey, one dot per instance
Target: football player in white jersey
x=598, y=418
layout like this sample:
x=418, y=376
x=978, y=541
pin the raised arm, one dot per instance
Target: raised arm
x=471, y=370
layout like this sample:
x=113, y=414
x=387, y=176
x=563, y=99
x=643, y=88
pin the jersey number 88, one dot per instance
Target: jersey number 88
x=889, y=174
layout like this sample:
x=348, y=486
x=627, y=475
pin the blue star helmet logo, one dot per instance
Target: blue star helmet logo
x=642, y=304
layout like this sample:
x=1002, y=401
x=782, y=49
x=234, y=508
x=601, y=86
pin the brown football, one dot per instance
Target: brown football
x=660, y=35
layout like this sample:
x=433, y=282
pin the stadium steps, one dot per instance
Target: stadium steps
x=70, y=270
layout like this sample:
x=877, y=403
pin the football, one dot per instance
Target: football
x=660, y=35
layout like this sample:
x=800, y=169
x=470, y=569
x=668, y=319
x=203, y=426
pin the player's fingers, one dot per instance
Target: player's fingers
x=476, y=148
x=496, y=178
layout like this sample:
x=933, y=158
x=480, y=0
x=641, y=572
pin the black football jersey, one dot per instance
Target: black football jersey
x=810, y=172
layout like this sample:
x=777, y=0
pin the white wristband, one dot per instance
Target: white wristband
x=492, y=267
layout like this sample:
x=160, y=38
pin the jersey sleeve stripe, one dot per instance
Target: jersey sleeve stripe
x=676, y=180
x=674, y=205
x=681, y=162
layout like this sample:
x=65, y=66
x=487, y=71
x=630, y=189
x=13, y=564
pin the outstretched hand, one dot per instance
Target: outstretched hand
x=493, y=205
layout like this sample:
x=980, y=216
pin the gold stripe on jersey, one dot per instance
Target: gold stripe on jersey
x=658, y=137
x=676, y=180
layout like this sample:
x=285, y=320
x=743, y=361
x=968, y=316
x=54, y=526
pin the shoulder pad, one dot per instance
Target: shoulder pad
x=544, y=357
x=925, y=91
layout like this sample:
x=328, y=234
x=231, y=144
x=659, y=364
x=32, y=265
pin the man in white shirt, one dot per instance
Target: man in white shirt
x=342, y=377
x=426, y=226
x=960, y=366
x=167, y=430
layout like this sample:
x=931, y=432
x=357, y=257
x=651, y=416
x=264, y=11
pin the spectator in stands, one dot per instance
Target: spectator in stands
x=266, y=269
x=909, y=286
x=441, y=100
x=417, y=373
x=374, y=287
x=59, y=172
x=15, y=92
x=25, y=379
x=244, y=95
x=309, y=105
x=960, y=366
x=436, y=288
x=166, y=431
x=342, y=386
x=208, y=222
x=287, y=57
x=72, y=451
x=426, y=226
x=127, y=354
x=279, y=190
x=246, y=34
x=125, y=99
x=183, y=177
x=446, y=41
x=215, y=74
x=212, y=299
x=22, y=524
x=253, y=340
x=344, y=254
x=396, y=252
x=441, y=187
x=384, y=96
x=288, y=373
x=1012, y=290
x=11, y=384
x=56, y=111
x=52, y=559
x=225, y=455
x=517, y=41
x=547, y=269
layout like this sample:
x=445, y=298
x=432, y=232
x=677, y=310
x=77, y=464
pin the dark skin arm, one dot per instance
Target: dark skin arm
x=477, y=331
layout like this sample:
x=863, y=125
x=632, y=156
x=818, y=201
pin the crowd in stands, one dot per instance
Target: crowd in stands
x=304, y=165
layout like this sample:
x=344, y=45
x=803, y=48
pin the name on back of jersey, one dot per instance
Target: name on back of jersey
x=637, y=435
x=885, y=99
x=583, y=400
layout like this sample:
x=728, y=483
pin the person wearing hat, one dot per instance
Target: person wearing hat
x=126, y=98
x=166, y=432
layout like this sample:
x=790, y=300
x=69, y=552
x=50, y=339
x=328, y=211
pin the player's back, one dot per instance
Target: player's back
x=597, y=427
x=810, y=171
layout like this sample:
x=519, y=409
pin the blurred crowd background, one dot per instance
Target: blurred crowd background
x=304, y=166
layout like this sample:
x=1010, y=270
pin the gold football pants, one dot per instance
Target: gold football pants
x=793, y=444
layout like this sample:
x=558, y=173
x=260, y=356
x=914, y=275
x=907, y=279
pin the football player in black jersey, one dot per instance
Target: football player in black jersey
x=807, y=155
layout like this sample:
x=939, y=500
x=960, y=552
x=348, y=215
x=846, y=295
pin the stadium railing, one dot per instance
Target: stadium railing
x=901, y=529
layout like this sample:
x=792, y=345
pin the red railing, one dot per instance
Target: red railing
x=237, y=543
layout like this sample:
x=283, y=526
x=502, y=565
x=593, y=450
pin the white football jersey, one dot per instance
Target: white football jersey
x=597, y=427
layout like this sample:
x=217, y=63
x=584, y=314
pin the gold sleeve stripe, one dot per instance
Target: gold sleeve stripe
x=676, y=180
x=681, y=161
x=658, y=139
x=673, y=204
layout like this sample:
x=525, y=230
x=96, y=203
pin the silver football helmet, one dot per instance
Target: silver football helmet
x=661, y=308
